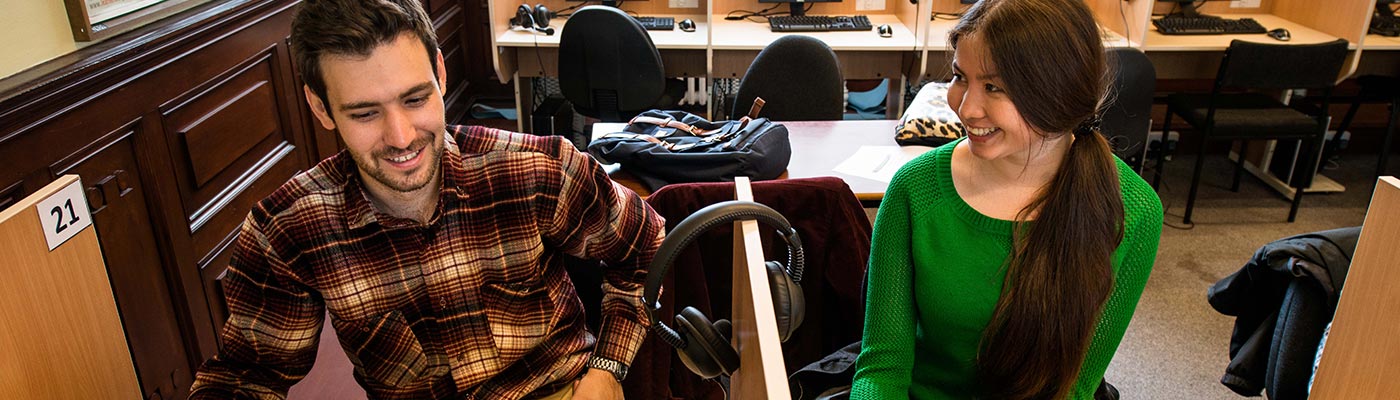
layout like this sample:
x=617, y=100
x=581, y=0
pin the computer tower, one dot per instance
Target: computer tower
x=554, y=116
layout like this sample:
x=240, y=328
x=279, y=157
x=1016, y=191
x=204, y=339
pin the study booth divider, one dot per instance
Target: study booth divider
x=62, y=335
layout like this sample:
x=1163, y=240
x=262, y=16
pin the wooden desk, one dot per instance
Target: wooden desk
x=817, y=147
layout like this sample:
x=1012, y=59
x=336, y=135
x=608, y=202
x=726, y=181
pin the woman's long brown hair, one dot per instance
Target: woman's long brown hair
x=1050, y=58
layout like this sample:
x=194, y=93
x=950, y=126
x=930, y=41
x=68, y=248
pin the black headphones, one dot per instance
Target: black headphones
x=533, y=18
x=704, y=346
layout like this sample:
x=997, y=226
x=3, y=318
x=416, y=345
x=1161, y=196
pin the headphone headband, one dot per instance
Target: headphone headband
x=690, y=229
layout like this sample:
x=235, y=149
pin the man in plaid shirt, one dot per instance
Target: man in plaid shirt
x=437, y=250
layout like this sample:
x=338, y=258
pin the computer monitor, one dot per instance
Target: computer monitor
x=968, y=1
x=1186, y=8
x=796, y=6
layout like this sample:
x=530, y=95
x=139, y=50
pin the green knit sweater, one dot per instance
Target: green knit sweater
x=936, y=271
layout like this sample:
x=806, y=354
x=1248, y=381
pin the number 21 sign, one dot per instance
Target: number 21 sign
x=64, y=214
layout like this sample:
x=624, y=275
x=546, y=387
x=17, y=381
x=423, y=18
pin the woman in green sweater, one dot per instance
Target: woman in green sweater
x=1006, y=265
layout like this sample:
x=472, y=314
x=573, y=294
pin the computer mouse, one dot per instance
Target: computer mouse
x=885, y=30
x=687, y=25
x=1280, y=34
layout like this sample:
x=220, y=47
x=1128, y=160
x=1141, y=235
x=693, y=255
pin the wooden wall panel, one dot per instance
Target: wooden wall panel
x=117, y=197
x=218, y=137
x=450, y=30
x=222, y=132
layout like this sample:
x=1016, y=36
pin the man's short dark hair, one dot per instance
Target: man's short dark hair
x=354, y=28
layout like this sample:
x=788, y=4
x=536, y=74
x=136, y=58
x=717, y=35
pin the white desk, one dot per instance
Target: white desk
x=749, y=35
x=817, y=147
x=1301, y=35
x=664, y=40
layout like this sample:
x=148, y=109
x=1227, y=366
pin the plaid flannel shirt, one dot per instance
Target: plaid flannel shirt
x=474, y=304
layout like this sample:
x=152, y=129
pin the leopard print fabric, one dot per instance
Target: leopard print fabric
x=929, y=121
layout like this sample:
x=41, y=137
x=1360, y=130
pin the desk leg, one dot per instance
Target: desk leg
x=894, y=98
x=524, y=102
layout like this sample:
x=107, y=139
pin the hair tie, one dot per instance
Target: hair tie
x=1089, y=125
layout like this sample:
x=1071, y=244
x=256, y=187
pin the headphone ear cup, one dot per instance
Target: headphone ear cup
x=707, y=352
x=542, y=16
x=523, y=17
x=789, y=306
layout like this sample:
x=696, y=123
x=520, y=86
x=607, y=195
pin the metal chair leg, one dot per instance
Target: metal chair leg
x=1162, y=149
x=1389, y=135
x=1351, y=113
x=1239, y=165
x=1310, y=159
x=1195, y=178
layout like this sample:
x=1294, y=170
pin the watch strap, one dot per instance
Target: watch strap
x=617, y=368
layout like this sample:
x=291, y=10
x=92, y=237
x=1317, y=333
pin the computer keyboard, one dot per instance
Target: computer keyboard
x=657, y=23
x=1385, y=25
x=818, y=23
x=1206, y=26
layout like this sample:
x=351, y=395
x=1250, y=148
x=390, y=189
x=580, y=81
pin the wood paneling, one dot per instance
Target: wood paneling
x=117, y=196
x=215, y=138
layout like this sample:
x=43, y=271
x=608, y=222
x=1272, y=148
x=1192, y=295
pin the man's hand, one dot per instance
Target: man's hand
x=598, y=385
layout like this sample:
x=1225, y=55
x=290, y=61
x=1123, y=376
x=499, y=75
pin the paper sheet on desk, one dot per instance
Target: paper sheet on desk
x=878, y=162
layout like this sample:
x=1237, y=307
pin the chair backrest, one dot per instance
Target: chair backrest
x=799, y=79
x=608, y=67
x=1127, y=114
x=1282, y=66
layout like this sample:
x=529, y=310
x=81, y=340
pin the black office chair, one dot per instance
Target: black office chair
x=1127, y=116
x=1252, y=116
x=608, y=66
x=1383, y=89
x=799, y=79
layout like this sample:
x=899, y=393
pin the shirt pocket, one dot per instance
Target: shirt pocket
x=383, y=347
x=520, y=314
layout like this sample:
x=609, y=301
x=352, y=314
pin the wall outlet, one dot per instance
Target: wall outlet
x=692, y=3
x=1244, y=3
x=869, y=5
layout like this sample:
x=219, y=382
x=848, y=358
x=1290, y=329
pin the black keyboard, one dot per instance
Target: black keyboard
x=657, y=23
x=1206, y=26
x=818, y=23
x=1385, y=25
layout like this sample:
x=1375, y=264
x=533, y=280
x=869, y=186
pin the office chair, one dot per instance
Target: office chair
x=608, y=66
x=799, y=79
x=1383, y=89
x=1127, y=115
x=1239, y=115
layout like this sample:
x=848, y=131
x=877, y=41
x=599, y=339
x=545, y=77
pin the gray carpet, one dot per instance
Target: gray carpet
x=1177, y=346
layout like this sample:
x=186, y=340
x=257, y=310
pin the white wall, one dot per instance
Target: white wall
x=31, y=32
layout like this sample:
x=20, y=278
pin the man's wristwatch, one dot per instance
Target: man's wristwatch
x=618, y=369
